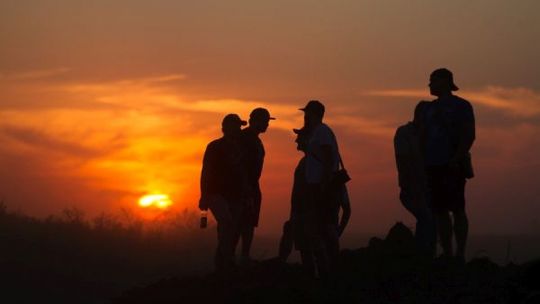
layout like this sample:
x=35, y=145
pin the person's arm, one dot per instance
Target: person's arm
x=403, y=154
x=205, y=177
x=346, y=210
x=327, y=162
x=467, y=135
x=326, y=141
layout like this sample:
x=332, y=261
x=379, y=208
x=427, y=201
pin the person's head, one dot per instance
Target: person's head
x=313, y=113
x=231, y=125
x=441, y=83
x=259, y=120
x=301, y=139
x=419, y=111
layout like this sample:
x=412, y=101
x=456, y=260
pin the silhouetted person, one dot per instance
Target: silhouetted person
x=337, y=225
x=254, y=159
x=413, y=181
x=450, y=133
x=322, y=161
x=222, y=186
x=294, y=229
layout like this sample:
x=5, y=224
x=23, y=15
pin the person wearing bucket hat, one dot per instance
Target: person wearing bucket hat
x=254, y=152
x=448, y=137
x=222, y=186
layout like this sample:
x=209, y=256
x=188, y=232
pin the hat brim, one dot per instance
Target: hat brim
x=454, y=87
x=243, y=123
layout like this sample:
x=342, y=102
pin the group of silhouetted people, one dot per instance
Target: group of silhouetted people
x=433, y=161
x=230, y=175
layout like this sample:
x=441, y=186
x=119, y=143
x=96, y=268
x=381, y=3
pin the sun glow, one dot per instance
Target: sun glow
x=161, y=201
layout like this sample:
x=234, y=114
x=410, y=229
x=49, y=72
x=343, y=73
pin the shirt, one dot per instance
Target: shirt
x=254, y=155
x=321, y=136
x=444, y=118
x=409, y=158
x=222, y=171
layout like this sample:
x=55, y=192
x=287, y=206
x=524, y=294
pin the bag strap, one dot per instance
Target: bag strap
x=341, y=162
x=320, y=161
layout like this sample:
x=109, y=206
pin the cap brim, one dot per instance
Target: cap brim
x=302, y=109
x=454, y=87
x=243, y=123
x=272, y=118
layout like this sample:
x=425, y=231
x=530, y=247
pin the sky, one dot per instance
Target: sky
x=103, y=102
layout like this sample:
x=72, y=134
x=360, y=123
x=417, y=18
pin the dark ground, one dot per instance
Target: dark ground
x=387, y=271
x=71, y=259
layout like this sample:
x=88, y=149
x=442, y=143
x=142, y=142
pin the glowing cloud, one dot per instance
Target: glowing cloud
x=522, y=102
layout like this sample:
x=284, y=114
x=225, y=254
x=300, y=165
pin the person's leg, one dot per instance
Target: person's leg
x=224, y=257
x=461, y=230
x=314, y=233
x=461, y=222
x=286, y=242
x=425, y=231
x=308, y=264
x=247, y=240
x=444, y=227
x=439, y=192
x=332, y=246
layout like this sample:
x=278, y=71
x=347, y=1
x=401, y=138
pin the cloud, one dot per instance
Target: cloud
x=34, y=74
x=138, y=84
x=41, y=140
x=520, y=102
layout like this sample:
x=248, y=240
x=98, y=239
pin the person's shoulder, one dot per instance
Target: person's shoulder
x=324, y=128
x=248, y=138
x=214, y=144
x=244, y=135
x=462, y=102
x=403, y=130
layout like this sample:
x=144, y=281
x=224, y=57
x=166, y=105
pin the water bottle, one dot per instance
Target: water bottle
x=204, y=219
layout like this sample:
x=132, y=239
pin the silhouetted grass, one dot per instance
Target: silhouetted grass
x=69, y=258
x=388, y=270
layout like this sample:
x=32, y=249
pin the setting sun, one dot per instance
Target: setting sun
x=161, y=201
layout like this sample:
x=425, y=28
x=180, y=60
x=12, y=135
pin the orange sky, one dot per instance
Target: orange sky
x=101, y=103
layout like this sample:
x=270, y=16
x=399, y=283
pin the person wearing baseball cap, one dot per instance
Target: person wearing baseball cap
x=449, y=135
x=231, y=124
x=442, y=82
x=254, y=153
x=222, y=185
x=322, y=161
x=314, y=107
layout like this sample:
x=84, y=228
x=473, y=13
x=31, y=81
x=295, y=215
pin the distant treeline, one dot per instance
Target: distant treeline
x=68, y=257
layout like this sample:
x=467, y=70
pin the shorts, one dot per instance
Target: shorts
x=446, y=189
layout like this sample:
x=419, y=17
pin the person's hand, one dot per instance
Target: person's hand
x=203, y=203
x=340, y=230
x=453, y=166
x=250, y=203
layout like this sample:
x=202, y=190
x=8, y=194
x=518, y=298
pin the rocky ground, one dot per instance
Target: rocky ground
x=386, y=271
